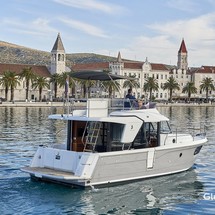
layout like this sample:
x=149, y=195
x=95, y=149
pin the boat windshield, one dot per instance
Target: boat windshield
x=165, y=127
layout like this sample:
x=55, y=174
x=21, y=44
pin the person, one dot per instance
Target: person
x=140, y=104
x=131, y=100
x=129, y=95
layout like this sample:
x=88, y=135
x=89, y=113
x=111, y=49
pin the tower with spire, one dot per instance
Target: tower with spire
x=58, y=57
x=117, y=66
x=182, y=56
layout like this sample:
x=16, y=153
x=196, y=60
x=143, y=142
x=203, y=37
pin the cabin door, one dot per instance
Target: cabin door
x=77, y=143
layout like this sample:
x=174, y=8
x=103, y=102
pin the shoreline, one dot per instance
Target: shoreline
x=62, y=104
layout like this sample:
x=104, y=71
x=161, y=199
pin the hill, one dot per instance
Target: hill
x=12, y=53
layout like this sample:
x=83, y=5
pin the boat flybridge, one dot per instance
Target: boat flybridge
x=108, y=143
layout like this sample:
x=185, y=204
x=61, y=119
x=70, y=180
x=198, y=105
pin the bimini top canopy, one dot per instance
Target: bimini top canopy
x=97, y=75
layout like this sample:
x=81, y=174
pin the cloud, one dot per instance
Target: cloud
x=158, y=49
x=36, y=27
x=193, y=30
x=92, y=5
x=184, y=5
x=163, y=43
x=84, y=27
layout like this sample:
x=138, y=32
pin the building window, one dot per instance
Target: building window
x=161, y=76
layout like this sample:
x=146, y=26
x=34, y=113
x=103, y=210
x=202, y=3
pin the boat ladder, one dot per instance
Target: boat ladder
x=93, y=130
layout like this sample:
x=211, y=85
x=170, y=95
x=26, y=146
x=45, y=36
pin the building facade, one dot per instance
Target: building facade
x=140, y=70
x=57, y=66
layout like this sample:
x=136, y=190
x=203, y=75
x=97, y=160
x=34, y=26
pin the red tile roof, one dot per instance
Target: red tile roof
x=105, y=65
x=158, y=66
x=133, y=65
x=182, y=47
x=17, y=68
x=205, y=69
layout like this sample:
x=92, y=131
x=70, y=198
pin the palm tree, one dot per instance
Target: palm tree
x=4, y=82
x=111, y=86
x=206, y=85
x=171, y=84
x=130, y=83
x=190, y=89
x=40, y=83
x=55, y=78
x=12, y=81
x=65, y=76
x=29, y=76
x=150, y=85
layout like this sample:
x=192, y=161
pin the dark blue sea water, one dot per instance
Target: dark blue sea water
x=22, y=130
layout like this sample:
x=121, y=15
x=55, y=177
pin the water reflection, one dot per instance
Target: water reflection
x=151, y=196
x=23, y=129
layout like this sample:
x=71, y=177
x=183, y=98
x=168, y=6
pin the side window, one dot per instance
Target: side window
x=116, y=132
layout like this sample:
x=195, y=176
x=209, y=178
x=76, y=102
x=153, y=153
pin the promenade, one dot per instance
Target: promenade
x=61, y=104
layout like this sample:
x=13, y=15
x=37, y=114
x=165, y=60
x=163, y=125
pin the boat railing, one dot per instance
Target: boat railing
x=101, y=106
x=197, y=130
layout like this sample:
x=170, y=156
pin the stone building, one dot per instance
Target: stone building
x=57, y=66
x=141, y=70
x=198, y=74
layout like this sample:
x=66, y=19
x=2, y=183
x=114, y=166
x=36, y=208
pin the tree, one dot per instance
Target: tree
x=29, y=76
x=4, y=81
x=40, y=83
x=130, y=83
x=63, y=78
x=206, y=85
x=12, y=81
x=150, y=85
x=111, y=86
x=55, y=79
x=189, y=88
x=171, y=84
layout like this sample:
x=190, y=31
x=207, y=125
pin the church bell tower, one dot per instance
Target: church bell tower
x=58, y=57
x=182, y=56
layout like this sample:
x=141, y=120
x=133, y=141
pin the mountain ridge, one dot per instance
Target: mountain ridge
x=16, y=54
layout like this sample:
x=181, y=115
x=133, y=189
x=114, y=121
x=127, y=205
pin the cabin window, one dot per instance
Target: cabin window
x=146, y=132
x=116, y=131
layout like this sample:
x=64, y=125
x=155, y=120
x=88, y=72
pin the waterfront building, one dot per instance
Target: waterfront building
x=57, y=66
x=138, y=69
x=198, y=74
x=20, y=90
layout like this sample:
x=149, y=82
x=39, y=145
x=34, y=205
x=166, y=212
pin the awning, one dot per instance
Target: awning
x=97, y=75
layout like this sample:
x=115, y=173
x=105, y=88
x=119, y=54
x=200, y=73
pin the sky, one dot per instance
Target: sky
x=139, y=29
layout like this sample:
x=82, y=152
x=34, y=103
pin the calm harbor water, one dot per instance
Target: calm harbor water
x=23, y=129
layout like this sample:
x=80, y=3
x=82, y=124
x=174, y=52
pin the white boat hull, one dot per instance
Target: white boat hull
x=103, y=169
